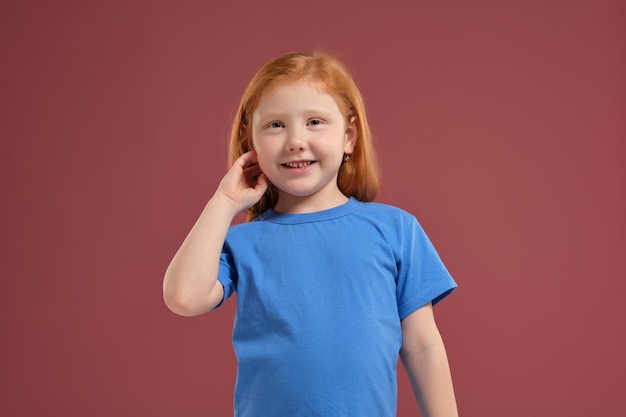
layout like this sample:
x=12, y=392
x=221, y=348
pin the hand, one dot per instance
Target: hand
x=244, y=184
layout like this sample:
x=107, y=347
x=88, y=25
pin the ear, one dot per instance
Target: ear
x=351, y=136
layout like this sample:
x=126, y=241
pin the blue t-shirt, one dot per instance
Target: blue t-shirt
x=320, y=297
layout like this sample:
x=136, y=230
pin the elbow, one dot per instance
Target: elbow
x=189, y=301
x=180, y=303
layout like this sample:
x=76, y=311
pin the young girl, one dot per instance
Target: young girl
x=331, y=286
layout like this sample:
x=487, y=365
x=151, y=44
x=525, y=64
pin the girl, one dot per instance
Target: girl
x=331, y=286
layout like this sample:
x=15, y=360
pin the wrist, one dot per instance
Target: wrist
x=222, y=205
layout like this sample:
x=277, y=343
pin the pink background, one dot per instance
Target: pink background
x=501, y=125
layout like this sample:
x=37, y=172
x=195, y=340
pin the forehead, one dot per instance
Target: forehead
x=301, y=93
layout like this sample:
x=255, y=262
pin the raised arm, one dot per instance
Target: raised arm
x=190, y=286
x=424, y=357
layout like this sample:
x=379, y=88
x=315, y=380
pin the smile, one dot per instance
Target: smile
x=298, y=164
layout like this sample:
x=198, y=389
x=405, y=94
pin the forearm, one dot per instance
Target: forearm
x=429, y=372
x=190, y=285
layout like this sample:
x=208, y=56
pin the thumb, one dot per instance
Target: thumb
x=261, y=183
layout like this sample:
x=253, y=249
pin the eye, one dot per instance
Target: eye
x=275, y=125
x=315, y=122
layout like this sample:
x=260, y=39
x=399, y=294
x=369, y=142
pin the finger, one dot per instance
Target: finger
x=261, y=184
x=252, y=171
x=262, y=181
x=241, y=161
x=247, y=159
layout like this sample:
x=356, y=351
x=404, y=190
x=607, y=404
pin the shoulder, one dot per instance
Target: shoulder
x=386, y=213
x=395, y=224
x=241, y=232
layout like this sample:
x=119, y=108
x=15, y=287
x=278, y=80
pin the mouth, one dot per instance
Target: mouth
x=298, y=164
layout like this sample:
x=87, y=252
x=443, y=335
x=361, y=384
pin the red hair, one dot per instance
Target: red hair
x=357, y=177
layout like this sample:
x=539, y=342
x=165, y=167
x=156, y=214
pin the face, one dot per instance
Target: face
x=300, y=136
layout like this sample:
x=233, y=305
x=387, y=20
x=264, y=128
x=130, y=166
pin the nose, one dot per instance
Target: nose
x=295, y=140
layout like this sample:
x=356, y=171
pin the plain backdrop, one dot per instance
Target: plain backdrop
x=500, y=124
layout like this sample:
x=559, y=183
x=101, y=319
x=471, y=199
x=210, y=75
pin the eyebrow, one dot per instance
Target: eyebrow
x=281, y=114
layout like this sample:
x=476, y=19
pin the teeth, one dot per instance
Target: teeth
x=298, y=165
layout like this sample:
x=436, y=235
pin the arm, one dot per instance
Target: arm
x=424, y=357
x=190, y=286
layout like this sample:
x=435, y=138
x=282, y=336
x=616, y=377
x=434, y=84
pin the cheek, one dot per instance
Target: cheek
x=263, y=164
x=263, y=157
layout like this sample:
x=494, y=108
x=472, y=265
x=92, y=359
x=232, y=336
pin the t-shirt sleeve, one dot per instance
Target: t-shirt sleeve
x=422, y=276
x=227, y=275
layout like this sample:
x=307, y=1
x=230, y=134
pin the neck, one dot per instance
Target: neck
x=289, y=204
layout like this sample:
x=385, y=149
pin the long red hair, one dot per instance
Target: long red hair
x=358, y=177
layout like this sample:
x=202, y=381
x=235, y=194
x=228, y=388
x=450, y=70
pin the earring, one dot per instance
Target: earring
x=346, y=158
